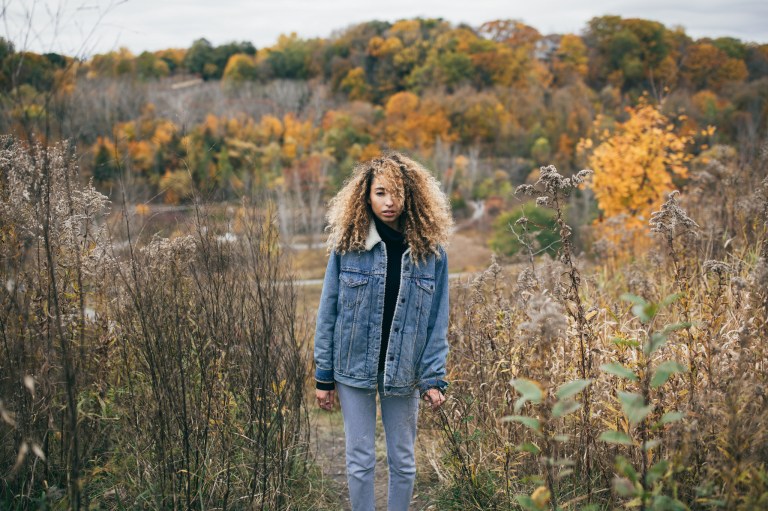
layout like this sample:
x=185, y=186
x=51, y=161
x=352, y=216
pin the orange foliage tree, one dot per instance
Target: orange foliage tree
x=634, y=166
x=413, y=123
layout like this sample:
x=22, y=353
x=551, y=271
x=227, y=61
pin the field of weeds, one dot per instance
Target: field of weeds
x=170, y=373
x=619, y=383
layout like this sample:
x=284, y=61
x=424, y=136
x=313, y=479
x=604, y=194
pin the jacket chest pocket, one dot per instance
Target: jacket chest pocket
x=352, y=289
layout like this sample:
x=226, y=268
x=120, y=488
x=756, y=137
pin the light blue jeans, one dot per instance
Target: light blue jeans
x=399, y=415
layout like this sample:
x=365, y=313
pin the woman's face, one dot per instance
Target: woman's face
x=385, y=204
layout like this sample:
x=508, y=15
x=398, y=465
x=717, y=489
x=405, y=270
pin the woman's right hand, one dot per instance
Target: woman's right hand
x=326, y=399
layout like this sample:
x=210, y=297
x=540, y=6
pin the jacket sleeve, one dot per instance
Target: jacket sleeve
x=431, y=367
x=326, y=322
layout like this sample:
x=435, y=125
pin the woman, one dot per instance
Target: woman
x=383, y=316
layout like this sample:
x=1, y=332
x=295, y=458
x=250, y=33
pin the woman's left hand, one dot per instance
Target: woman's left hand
x=435, y=398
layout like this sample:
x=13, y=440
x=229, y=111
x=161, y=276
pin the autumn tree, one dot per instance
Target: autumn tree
x=570, y=61
x=240, y=67
x=355, y=84
x=634, y=165
x=512, y=62
x=706, y=66
x=414, y=123
x=630, y=53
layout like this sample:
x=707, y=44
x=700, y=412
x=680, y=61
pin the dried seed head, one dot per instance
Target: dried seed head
x=546, y=320
x=672, y=219
x=719, y=267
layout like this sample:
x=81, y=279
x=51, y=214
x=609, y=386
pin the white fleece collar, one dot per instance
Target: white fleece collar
x=373, y=236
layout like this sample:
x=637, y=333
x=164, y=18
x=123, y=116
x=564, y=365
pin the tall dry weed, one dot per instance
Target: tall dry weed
x=160, y=373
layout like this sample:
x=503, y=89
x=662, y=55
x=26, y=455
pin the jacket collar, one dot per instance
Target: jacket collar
x=373, y=236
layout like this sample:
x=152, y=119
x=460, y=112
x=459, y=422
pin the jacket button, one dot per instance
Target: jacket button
x=397, y=330
x=391, y=359
x=402, y=300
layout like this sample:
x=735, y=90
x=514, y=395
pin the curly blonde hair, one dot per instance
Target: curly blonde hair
x=426, y=216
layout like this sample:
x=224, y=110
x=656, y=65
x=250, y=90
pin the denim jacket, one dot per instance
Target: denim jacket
x=349, y=321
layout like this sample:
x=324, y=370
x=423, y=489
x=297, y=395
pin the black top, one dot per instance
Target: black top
x=395, y=245
x=394, y=242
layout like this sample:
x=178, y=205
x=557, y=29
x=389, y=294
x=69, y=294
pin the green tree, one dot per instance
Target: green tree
x=290, y=58
x=150, y=66
x=105, y=169
x=528, y=225
x=629, y=53
x=198, y=55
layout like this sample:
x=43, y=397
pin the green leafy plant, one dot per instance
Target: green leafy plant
x=645, y=488
x=554, y=406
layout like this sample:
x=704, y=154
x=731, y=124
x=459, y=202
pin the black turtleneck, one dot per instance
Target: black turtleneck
x=395, y=245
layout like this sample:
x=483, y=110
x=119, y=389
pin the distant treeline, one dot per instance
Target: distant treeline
x=472, y=101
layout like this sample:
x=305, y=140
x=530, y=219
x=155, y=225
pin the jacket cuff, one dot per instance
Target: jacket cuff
x=324, y=375
x=432, y=383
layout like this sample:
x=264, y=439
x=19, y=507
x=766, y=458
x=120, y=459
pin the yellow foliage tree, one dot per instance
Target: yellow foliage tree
x=634, y=166
x=354, y=84
x=298, y=136
x=413, y=123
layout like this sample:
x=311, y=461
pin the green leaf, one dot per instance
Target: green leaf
x=634, y=406
x=656, y=341
x=657, y=471
x=530, y=391
x=527, y=503
x=629, y=343
x=615, y=437
x=619, y=370
x=670, y=299
x=664, y=371
x=638, y=300
x=563, y=408
x=529, y=422
x=676, y=326
x=670, y=417
x=667, y=503
x=625, y=468
x=572, y=388
x=528, y=447
x=645, y=312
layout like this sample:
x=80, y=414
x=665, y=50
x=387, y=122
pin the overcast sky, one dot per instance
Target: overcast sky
x=84, y=27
